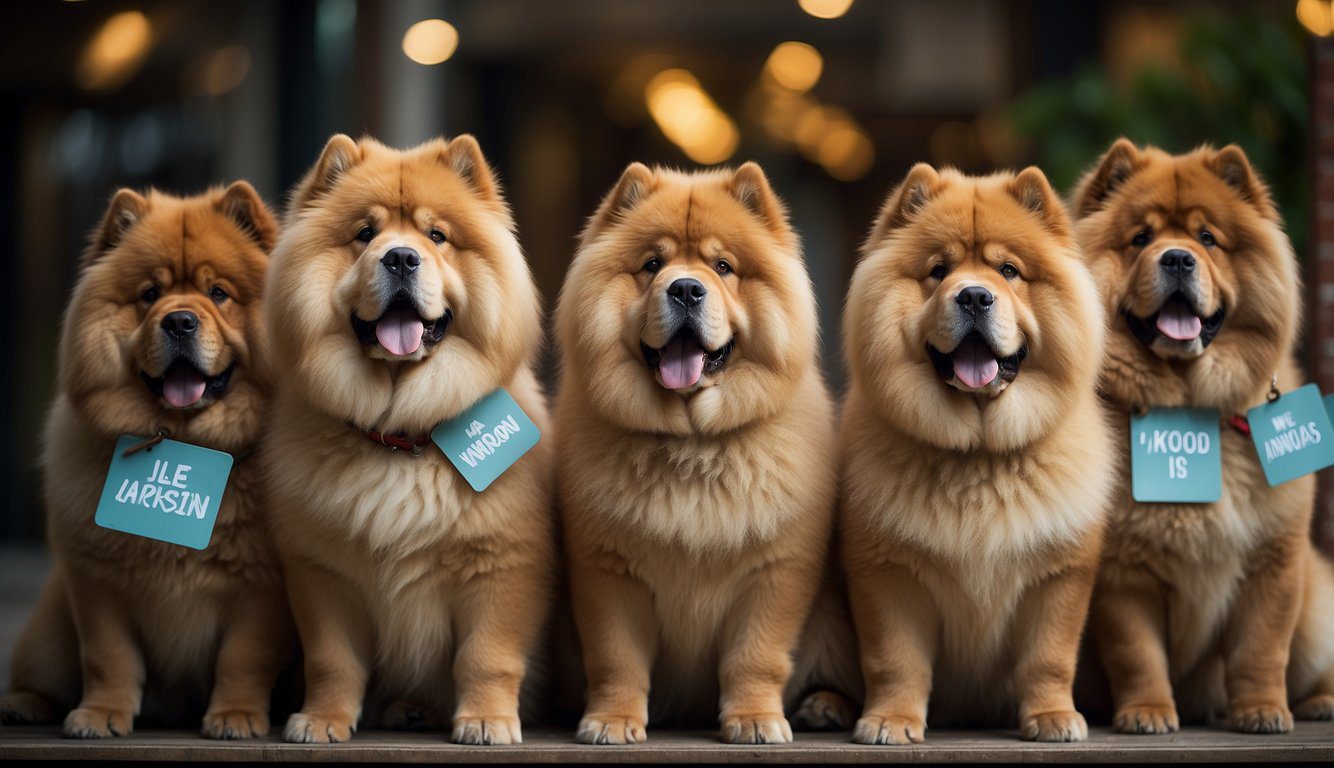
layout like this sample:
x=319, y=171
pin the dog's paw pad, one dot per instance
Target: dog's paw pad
x=1055, y=726
x=235, y=724
x=1146, y=718
x=1261, y=718
x=98, y=723
x=890, y=729
x=825, y=711
x=314, y=728
x=611, y=729
x=763, y=728
x=487, y=730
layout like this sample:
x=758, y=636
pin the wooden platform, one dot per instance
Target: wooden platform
x=1310, y=742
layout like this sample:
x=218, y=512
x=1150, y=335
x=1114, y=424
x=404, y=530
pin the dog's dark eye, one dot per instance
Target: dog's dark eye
x=1141, y=238
x=366, y=234
x=652, y=266
x=723, y=268
x=1208, y=239
x=217, y=294
x=437, y=236
x=1009, y=271
x=150, y=295
x=939, y=271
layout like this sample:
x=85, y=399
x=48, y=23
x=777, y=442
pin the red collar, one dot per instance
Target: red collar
x=414, y=445
x=1239, y=423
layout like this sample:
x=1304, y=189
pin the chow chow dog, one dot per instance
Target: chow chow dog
x=696, y=470
x=398, y=298
x=1196, y=604
x=164, y=333
x=976, y=462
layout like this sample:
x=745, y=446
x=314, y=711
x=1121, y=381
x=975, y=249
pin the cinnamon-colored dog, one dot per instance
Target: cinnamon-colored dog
x=397, y=299
x=976, y=463
x=164, y=332
x=696, y=466
x=1203, y=610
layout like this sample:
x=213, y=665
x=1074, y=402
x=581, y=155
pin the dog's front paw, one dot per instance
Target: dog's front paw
x=889, y=729
x=487, y=730
x=764, y=728
x=319, y=728
x=1054, y=726
x=98, y=723
x=1319, y=707
x=235, y=724
x=1260, y=718
x=26, y=708
x=611, y=729
x=824, y=711
x=1146, y=718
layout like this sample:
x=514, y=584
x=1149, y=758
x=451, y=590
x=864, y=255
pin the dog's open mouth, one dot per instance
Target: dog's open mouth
x=183, y=385
x=401, y=330
x=684, y=360
x=1177, y=320
x=974, y=365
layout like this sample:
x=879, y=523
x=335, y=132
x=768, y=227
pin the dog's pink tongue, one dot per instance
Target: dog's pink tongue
x=682, y=363
x=974, y=364
x=1176, y=321
x=183, y=387
x=399, y=330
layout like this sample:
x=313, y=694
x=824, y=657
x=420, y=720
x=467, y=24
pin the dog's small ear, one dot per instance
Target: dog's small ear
x=635, y=184
x=904, y=202
x=340, y=154
x=1118, y=164
x=751, y=188
x=464, y=156
x=126, y=209
x=1231, y=165
x=243, y=205
x=1032, y=191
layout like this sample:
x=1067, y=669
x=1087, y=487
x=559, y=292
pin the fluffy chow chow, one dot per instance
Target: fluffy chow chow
x=164, y=334
x=976, y=463
x=398, y=298
x=1200, y=608
x=696, y=465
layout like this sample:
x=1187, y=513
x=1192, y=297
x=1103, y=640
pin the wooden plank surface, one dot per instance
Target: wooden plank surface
x=1310, y=742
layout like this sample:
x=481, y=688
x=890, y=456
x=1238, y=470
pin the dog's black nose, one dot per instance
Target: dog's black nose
x=975, y=299
x=401, y=262
x=180, y=323
x=1177, y=262
x=686, y=291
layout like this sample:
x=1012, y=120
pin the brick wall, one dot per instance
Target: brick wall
x=1320, y=258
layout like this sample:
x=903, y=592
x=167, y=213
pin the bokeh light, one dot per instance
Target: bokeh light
x=116, y=52
x=794, y=66
x=825, y=9
x=689, y=118
x=1317, y=16
x=431, y=41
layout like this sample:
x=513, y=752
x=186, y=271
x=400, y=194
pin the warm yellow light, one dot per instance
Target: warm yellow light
x=431, y=41
x=689, y=118
x=845, y=152
x=1316, y=15
x=795, y=66
x=825, y=9
x=116, y=52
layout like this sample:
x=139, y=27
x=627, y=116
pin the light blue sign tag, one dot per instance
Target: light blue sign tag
x=1175, y=456
x=1292, y=435
x=170, y=491
x=486, y=439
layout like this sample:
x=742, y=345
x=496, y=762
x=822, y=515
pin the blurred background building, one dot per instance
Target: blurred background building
x=836, y=98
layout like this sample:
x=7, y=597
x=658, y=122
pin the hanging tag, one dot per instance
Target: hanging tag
x=165, y=490
x=1292, y=434
x=486, y=439
x=1175, y=456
